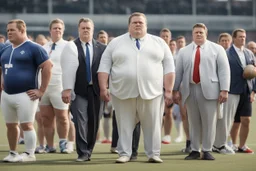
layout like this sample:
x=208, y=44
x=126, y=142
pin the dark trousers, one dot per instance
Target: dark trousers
x=85, y=112
x=135, y=136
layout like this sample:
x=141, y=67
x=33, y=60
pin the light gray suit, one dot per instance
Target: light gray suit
x=202, y=99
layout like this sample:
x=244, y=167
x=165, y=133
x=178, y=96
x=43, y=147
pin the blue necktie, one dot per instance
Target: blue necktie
x=53, y=46
x=138, y=44
x=87, y=63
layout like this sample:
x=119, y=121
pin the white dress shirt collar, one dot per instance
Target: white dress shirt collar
x=201, y=46
x=238, y=49
x=240, y=53
x=84, y=43
x=56, y=43
x=141, y=40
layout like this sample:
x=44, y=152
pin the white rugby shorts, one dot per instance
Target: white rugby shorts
x=52, y=96
x=18, y=108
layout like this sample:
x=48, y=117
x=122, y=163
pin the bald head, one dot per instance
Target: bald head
x=252, y=46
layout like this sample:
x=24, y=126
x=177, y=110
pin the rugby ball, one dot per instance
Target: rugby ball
x=249, y=72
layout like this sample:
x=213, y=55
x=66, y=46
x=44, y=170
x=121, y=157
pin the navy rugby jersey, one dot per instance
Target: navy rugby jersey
x=20, y=66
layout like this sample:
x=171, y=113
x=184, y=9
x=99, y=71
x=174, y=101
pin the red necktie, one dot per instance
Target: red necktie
x=196, y=75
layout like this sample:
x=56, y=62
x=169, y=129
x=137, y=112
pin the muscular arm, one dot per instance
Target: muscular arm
x=169, y=81
x=168, y=86
x=103, y=83
x=103, y=80
x=223, y=74
x=46, y=68
x=69, y=64
x=104, y=71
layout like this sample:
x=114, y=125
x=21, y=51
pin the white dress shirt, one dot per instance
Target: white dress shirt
x=55, y=55
x=240, y=53
x=135, y=72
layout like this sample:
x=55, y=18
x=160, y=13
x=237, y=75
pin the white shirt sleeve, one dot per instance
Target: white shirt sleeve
x=69, y=65
x=106, y=59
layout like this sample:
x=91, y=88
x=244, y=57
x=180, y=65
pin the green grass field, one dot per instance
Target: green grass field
x=102, y=159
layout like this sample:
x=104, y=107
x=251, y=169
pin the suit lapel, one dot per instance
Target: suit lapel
x=235, y=56
x=247, y=58
x=80, y=48
x=95, y=50
x=189, y=54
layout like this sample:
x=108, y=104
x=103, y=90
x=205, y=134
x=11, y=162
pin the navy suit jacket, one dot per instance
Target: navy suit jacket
x=98, y=49
x=238, y=83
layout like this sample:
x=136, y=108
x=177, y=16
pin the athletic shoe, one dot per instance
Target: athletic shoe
x=186, y=150
x=50, y=149
x=26, y=157
x=123, y=159
x=223, y=150
x=234, y=147
x=166, y=139
x=83, y=159
x=155, y=159
x=21, y=141
x=178, y=139
x=230, y=143
x=113, y=150
x=12, y=157
x=40, y=150
x=133, y=158
x=63, y=147
x=215, y=149
x=106, y=141
x=70, y=146
x=245, y=149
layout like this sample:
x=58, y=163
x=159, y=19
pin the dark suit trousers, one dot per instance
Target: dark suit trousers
x=135, y=136
x=85, y=112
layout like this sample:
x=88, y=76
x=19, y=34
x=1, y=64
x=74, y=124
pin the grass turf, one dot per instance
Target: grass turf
x=103, y=160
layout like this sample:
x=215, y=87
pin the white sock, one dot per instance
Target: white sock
x=106, y=127
x=15, y=152
x=30, y=141
x=62, y=139
x=178, y=125
x=70, y=145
